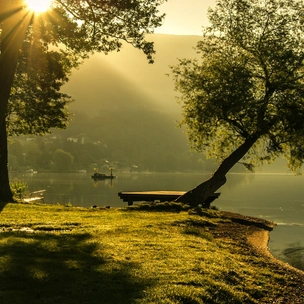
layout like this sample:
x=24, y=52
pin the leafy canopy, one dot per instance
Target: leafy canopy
x=57, y=41
x=247, y=81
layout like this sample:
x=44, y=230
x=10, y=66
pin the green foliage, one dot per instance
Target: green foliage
x=36, y=103
x=19, y=188
x=101, y=26
x=69, y=204
x=248, y=83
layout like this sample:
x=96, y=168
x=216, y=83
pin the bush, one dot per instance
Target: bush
x=19, y=188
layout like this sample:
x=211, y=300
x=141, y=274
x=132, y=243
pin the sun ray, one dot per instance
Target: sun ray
x=38, y=6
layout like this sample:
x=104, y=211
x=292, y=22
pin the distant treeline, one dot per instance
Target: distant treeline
x=102, y=142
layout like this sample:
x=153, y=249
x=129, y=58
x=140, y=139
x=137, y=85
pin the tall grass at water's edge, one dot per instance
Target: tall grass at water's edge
x=56, y=254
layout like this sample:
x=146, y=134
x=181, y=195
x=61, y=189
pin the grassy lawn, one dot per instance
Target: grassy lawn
x=62, y=255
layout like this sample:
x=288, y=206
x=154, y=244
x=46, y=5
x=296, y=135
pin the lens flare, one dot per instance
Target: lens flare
x=38, y=6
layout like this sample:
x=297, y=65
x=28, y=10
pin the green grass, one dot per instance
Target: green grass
x=56, y=254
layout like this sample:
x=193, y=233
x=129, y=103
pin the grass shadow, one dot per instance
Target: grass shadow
x=63, y=269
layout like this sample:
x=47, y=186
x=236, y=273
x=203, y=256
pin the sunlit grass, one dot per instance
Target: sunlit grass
x=57, y=254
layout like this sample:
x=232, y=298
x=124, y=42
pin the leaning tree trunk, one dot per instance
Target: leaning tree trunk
x=15, y=22
x=202, y=192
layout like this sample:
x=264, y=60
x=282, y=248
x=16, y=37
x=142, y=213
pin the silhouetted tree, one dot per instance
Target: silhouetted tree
x=38, y=52
x=243, y=100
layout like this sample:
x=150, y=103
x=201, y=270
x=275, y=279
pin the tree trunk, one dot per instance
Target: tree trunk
x=203, y=191
x=15, y=22
x=5, y=192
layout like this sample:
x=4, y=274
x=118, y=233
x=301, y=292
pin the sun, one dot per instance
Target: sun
x=38, y=6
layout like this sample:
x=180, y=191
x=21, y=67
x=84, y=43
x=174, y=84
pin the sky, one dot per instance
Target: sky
x=185, y=17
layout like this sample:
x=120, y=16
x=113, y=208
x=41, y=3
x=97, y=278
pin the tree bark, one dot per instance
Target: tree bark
x=12, y=35
x=14, y=26
x=5, y=192
x=203, y=191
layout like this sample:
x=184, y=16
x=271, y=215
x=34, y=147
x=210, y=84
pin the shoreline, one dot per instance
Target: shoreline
x=259, y=240
x=252, y=235
x=258, y=236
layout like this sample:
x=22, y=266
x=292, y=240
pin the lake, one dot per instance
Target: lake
x=276, y=197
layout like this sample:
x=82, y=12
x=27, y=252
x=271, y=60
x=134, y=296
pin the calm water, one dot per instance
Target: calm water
x=276, y=197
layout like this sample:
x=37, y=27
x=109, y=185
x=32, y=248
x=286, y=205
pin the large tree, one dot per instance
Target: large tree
x=243, y=97
x=38, y=52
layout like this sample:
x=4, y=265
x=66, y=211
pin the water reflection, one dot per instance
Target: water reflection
x=287, y=244
x=295, y=255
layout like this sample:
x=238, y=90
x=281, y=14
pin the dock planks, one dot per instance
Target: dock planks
x=35, y=196
x=152, y=196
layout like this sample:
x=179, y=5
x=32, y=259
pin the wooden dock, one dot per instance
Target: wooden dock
x=35, y=196
x=153, y=196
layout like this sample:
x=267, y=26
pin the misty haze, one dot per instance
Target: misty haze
x=124, y=115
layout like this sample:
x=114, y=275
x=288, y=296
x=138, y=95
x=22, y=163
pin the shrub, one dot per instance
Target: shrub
x=19, y=188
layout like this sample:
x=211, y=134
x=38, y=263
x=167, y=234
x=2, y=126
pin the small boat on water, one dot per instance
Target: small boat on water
x=102, y=176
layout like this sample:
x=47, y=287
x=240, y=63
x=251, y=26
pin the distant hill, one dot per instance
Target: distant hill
x=130, y=105
x=126, y=80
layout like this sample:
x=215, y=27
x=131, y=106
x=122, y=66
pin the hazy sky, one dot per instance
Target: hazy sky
x=185, y=17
